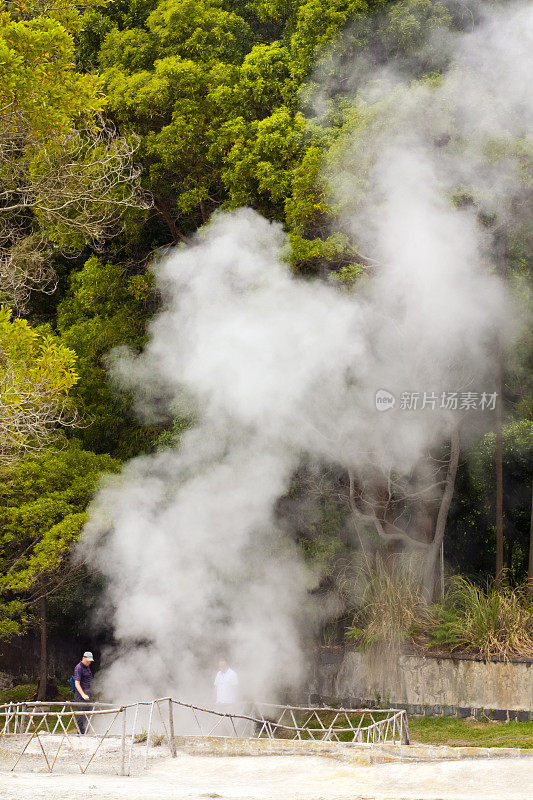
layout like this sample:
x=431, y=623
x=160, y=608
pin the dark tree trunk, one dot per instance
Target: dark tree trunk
x=530, y=569
x=43, y=663
x=163, y=209
x=498, y=463
x=500, y=248
x=433, y=553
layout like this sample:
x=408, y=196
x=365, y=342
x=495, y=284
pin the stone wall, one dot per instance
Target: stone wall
x=427, y=684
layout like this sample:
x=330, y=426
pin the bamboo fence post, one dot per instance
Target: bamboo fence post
x=172, y=741
x=123, y=744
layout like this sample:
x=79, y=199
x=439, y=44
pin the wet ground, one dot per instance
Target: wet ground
x=189, y=777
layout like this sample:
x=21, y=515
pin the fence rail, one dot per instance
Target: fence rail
x=28, y=727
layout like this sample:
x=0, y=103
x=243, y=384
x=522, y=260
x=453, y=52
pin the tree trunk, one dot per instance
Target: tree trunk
x=500, y=250
x=43, y=663
x=498, y=463
x=432, y=556
x=161, y=206
x=530, y=570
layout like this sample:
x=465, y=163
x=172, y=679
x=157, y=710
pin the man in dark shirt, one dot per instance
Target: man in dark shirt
x=83, y=682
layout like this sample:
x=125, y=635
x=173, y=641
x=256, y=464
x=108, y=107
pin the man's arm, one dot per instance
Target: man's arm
x=77, y=683
x=80, y=690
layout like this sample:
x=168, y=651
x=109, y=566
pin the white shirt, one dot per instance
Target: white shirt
x=226, y=684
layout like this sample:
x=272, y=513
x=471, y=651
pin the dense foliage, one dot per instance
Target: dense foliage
x=36, y=372
x=43, y=501
x=491, y=622
x=124, y=126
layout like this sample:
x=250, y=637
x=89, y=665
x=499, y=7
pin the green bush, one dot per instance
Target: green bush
x=496, y=621
x=19, y=694
x=64, y=692
x=28, y=691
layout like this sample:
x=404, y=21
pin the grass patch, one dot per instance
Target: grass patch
x=19, y=694
x=28, y=691
x=315, y=730
x=470, y=733
x=439, y=730
x=64, y=692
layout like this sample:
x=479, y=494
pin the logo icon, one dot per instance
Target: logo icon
x=384, y=400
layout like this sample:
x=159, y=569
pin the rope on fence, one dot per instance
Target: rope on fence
x=33, y=720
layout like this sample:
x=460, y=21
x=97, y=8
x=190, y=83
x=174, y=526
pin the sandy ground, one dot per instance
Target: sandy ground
x=285, y=778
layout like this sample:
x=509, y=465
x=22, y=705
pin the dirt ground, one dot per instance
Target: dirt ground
x=284, y=778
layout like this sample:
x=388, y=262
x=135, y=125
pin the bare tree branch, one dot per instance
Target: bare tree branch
x=73, y=189
x=388, y=531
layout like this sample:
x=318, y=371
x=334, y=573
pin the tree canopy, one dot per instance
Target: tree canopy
x=66, y=178
x=37, y=371
x=43, y=501
x=124, y=125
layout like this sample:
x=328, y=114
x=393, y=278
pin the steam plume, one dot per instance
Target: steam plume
x=275, y=367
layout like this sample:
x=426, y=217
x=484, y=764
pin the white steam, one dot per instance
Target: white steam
x=275, y=367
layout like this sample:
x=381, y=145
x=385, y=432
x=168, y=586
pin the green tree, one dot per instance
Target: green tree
x=36, y=373
x=105, y=307
x=163, y=82
x=65, y=177
x=471, y=536
x=213, y=90
x=43, y=501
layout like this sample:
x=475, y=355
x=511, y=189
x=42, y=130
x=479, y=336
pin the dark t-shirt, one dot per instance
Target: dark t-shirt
x=84, y=675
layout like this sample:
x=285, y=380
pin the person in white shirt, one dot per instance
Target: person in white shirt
x=226, y=683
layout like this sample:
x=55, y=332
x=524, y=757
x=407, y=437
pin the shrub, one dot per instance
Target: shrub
x=19, y=694
x=496, y=621
x=390, y=604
